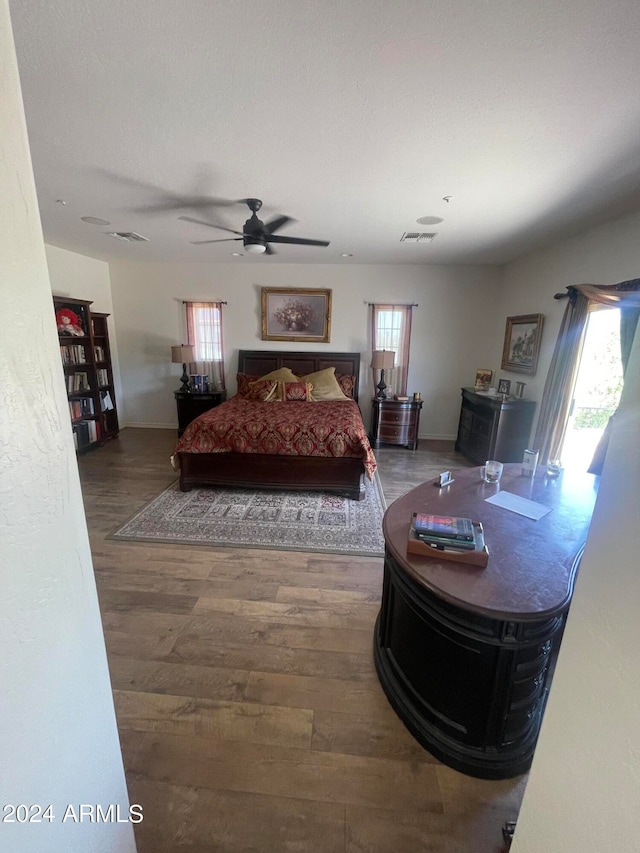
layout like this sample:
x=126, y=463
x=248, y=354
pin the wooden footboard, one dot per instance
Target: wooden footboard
x=261, y=471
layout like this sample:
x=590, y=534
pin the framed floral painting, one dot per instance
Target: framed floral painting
x=296, y=314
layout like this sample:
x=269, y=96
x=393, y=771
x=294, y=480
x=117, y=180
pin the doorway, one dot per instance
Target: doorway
x=597, y=388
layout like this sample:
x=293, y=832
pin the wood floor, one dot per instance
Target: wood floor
x=249, y=711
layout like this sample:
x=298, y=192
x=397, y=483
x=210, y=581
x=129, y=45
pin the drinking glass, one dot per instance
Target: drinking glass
x=491, y=471
x=554, y=466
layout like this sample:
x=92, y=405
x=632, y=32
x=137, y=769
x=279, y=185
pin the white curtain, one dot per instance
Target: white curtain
x=204, y=333
x=391, y=330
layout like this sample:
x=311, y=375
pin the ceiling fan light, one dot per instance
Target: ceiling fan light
x=255, y=248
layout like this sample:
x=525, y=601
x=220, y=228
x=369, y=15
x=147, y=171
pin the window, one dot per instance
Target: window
x=204, y=332
x=391, y=330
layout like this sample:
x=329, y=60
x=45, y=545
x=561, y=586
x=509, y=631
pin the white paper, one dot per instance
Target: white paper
x=107, y=402
x=514, y=503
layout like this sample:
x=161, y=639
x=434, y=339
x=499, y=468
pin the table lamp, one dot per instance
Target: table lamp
x=182, y=355
x=382, y=359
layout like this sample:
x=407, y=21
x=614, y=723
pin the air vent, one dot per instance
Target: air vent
x=128, y=236
x=417, y=237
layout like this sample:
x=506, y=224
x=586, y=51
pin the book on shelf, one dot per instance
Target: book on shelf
x=81, y=434
x=444, y=526
x=78, y=382
x=81, y=407
x=73, y=354
x=85, y=433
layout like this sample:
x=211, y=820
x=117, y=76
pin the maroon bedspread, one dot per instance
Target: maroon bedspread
x=333, y=429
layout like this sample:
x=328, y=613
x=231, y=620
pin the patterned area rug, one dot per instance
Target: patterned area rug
x=252, y=518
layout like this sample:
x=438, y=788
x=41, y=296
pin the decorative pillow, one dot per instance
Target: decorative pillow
x=325, y=385
x=262, y=390
x=244, y=380
x=295, y=392
x=347, y=384
x=282, y=374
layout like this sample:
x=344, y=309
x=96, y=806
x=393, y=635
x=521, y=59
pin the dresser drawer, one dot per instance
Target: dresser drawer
x=397, y=416
x=397, y=434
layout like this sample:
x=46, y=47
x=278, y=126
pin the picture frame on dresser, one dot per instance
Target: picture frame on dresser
x=483, y=379
x=522, y=343
x=296, y=314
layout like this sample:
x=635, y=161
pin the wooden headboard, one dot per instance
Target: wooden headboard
x=260, y=362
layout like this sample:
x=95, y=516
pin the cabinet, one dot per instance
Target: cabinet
x=86, y=361
x=194, y=403
x=395, y=422
x=493, y=428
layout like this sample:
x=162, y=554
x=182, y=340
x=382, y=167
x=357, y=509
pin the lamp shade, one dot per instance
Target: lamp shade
x=383, y=359
x=182, y=354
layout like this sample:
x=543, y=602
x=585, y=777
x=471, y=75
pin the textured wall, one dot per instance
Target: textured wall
x=58, y=740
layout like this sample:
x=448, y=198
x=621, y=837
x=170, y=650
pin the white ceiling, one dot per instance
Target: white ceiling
x=356, y=118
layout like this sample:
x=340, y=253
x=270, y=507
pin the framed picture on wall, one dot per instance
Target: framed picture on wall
x=296, y=314
x=522, y=343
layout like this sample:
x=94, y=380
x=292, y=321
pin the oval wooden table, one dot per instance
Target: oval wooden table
x=465, y=654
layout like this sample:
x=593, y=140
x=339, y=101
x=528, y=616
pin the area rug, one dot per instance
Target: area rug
x=253, y=518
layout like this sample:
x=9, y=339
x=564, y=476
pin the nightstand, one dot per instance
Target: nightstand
x=190, y=405
x=395, y=422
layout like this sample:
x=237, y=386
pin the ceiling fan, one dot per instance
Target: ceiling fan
x=256, y=235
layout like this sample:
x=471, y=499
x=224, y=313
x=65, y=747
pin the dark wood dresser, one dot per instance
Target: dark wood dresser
x=493, y=428
x=464, y=654
x=395, y=422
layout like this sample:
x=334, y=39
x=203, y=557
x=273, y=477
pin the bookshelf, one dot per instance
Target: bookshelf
x=86, y=360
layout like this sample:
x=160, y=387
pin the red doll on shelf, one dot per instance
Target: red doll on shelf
x=69, y=323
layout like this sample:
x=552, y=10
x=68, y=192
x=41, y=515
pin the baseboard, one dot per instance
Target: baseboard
x=149, y=426
x=432, y=437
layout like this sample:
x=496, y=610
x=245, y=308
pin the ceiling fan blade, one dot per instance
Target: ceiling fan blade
x=209, y=224
x=298, y=240
x=183, y=202
x=277, y=223
x=223, y=240
x=164, y=199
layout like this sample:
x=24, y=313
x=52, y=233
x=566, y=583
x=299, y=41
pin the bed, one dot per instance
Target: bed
x=340, y=468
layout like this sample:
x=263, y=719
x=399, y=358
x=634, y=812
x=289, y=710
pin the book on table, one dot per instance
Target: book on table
x=473, y=553
x=447, y=544
x=449, y=527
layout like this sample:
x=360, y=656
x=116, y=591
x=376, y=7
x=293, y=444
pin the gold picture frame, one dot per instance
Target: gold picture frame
x=296, y=314
x=522, y=343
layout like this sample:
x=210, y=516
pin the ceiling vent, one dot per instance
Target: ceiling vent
x=417, y=237
x=128, y=236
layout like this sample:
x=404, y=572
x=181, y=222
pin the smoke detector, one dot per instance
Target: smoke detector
x=128, y=236
x=418, y=237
